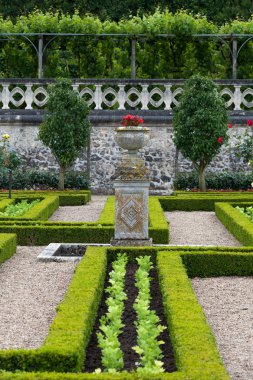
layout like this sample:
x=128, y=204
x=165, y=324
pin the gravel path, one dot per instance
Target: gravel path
x=198, y=228
x=29, y=293
x=86, y=213
x=228, y=305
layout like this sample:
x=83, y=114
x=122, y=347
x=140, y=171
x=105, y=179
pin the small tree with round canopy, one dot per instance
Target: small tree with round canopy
x=200, y=124
x=65, y=128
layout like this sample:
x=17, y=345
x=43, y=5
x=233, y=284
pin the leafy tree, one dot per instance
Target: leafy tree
x=9, y=160
x=200, y=124
x=65, y=129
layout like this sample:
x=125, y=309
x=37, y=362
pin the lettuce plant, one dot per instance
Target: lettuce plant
x=19, y=208
x=111, y=323
x=147, y=324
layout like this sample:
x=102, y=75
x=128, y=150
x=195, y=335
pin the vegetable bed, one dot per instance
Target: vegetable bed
x=130, y=331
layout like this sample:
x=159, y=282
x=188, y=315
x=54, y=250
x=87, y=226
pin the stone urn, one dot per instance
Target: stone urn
x=132, y=138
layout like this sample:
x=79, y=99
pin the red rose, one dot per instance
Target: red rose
x=220, y=140
x=250, y=122
x=230, y=125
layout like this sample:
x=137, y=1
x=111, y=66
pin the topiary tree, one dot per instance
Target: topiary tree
x=65, y=128
x=200, y=124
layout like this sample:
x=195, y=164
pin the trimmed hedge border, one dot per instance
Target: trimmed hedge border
x=196, y=354
x=236, y=222
x=41, y=211
x=42, y=233
x=66, y=197
x=186, y=201
x=8, y=246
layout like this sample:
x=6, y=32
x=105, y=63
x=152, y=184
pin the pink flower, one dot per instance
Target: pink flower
x=220, y=140
x=230, y=125
x=250, y=122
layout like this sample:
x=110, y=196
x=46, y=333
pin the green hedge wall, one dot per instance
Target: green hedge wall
x=236, y=222
x=8, y=245
x=186, y=201
x=66, y=197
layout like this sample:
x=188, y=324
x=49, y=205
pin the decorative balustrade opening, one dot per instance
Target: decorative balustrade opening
x=121, y=94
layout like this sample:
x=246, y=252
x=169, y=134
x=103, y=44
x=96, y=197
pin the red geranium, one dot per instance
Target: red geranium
x=131, y=120
x=220, y=140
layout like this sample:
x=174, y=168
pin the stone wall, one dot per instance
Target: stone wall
x=160, y=155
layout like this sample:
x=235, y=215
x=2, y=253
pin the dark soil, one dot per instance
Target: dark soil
x=128, y=338
x=69, y=251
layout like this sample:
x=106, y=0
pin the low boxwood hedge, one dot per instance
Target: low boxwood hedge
x=66, y=197
x=196, y=354
x=236, y=222
x=185, y=201
x=8, y=245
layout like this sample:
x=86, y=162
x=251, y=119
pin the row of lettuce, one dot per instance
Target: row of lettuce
x=157, y=57
x=147, y=322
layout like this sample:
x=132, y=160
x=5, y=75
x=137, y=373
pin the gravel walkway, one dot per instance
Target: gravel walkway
x=85, y=213
x=228, y=305
x=198, y=228
x=29, y=293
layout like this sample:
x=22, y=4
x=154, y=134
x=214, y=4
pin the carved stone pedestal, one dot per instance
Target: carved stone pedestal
x=131, y=213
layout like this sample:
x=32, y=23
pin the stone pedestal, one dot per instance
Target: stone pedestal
x=131, y=213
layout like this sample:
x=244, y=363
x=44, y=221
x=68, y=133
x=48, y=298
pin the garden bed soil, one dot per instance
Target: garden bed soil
x=128, y=338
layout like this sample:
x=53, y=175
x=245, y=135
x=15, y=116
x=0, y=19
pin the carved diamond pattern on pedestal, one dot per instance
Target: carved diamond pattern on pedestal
x=130, y=213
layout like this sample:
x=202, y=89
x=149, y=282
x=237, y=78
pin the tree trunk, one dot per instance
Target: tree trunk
x=10, y=183
x=61, y=178
x=202, y=179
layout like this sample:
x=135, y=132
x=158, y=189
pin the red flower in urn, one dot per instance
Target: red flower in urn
x=131, y=121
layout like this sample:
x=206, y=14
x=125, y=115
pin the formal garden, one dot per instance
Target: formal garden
x=126, y=205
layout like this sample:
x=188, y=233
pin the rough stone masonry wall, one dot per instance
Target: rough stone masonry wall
x=159, y=155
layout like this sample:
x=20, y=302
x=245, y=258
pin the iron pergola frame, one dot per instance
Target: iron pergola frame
x=231, y=40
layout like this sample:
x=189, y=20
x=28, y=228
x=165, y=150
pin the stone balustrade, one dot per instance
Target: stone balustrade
x=119, y=94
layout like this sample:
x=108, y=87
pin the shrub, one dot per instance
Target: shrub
x=216, y=181
x=43, y=179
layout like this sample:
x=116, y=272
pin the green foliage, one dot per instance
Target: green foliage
x=18, y=209
x=65, y=129
x=235, y=221
x=200, y=123
x=111, y=323
x=216, y=181
x=8, y=245
x=43, y=179
x=147, y=324
x=246, y=211
x=206, y=201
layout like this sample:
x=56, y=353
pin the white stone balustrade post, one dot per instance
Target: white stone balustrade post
x=167, y=97
x=5, y=96
x=237, y=98
x=121, y=97
x=144, y=97
x=98, y=97
x=29, y=97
